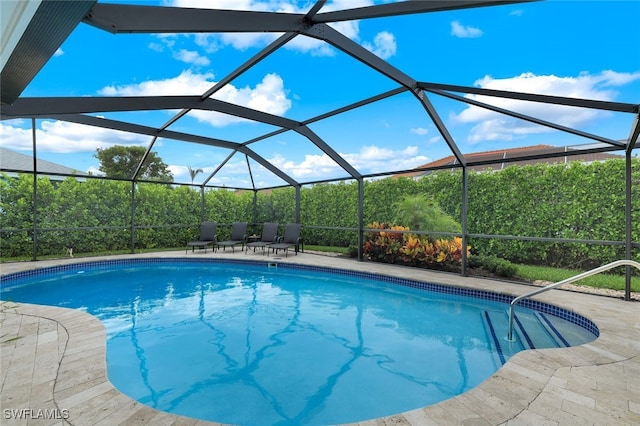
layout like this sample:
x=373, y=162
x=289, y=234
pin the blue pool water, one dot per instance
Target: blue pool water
x=260, y=344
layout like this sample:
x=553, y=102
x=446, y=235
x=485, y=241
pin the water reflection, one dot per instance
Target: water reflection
x=254, y=346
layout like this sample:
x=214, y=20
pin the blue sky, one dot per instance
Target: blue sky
x=583, y=49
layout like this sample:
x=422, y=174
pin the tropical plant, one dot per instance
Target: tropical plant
x=393, y=244
x=422, y=213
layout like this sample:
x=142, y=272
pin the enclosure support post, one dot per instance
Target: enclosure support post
x=255, y=205
x=360, y=216
x=133, y=217
x=297, y=203
x=202, y=204
x=628, y=180
x=35, y=191
x=465, y=209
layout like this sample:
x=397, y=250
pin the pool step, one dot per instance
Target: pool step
x=536, y=329
x=497, y=328
x=551, y=326
x=532, y=330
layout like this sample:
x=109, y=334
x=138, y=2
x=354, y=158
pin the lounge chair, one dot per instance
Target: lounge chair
x=269, y=236
x=291, y=238
x=238, y=236
x=207, y=237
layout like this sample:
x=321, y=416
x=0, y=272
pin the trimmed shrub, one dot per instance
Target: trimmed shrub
x=494, y=265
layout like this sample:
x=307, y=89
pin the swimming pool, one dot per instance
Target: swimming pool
x=384, y=348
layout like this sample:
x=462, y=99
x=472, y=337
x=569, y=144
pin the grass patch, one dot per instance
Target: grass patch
x=610, y=281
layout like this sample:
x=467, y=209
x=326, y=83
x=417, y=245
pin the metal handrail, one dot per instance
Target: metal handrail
x=624, y=262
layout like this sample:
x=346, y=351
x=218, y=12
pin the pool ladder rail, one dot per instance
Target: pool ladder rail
x=603, y=268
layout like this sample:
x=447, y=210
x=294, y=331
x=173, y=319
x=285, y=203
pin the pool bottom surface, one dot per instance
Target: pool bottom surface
x=247, y=345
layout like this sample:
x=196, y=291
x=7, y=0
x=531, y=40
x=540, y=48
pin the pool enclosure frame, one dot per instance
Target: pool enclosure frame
x=53, y=21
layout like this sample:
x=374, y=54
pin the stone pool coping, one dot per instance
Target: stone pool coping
x=53, y=362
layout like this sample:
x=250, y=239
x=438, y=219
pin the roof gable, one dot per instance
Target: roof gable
x=16, y=162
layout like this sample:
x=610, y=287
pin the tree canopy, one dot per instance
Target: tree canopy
x=122, y=162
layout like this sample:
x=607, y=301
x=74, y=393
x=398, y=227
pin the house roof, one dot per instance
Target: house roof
x=12, y=161
x=501, y=158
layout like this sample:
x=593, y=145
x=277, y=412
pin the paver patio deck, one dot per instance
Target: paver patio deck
x=53, y=364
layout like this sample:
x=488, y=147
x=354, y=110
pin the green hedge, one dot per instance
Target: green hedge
x=578, y=201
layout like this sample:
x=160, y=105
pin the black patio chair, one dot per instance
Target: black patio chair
x=238, y=236
x=207, y=237
x=291, y=238
x=269, y=236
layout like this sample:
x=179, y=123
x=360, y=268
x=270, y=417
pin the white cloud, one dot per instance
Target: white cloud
x=612, y=78
x=156, y=46
x=179, y=172
x=209, y=42
x=191, y=57
x=517, y=12
x=500, y=129
x=244, y=41
x=384, y=45
x=187, y=83
x=459, y=30
x=257, y=5
x=313, y=165
x=240, y=41
x=59, y=52
x=269, y=95
x=236, y=174
x=420, y=131
x=370, y=159
x=64, y=137
x=493, y=126
x=233, y=174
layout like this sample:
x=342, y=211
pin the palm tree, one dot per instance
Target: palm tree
x=193, y=173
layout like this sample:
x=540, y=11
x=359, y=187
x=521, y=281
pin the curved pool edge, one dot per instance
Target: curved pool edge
x=73, y=370
x=595, y=382
x=452, y=292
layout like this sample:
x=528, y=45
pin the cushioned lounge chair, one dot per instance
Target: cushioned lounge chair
x=207, y=237
x=269, y=236
x=238, y=236
x=291, y=238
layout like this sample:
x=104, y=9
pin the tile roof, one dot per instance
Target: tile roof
x=494, y=160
